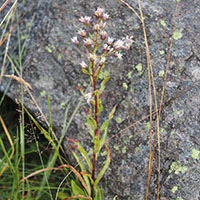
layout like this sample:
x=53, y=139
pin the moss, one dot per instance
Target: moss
x=43, y=93
x=177, y=168
x=177, y=35
x=148, y=125
x=62, y=104
x=49, y=49
x=163, y=23
x=196, y=154
x=132, y=90
x=179, y=198
x=116, y=147
x=174, y=189
x=162, y=52
x=124, y=150
x=59, y=57
x=125, y=86
x=118, y=120
x=137, y=149
x=104, y=153
x=161, y=73
x=139, y=69
x=129, y=75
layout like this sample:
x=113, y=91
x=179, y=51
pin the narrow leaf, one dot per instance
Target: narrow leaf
x=105, y=167
x=112, y=113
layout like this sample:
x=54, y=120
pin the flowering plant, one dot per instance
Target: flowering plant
x=94, y=37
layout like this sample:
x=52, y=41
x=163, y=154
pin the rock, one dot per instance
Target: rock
x=53, y=63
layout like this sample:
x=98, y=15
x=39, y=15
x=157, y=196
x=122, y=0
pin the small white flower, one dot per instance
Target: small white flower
x=127, y=42
x=110, y=41
x=75, y=40
x=105, y=16
x=85, y=20
x=102, y=24
x=118, y=44
x=99, y=12
x=82, y=33
x=118, y=55
x=92, y=57
x=106, y=47
x=88, y=42
x=88, y=97
x=102, y=61
x=96, y=27
x=83, y=65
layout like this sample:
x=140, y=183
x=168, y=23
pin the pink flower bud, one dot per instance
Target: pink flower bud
x=110, y=41
x=83, y=65
x=82, y=33
x=105, y=16
x=85, y=20
x=118, y=55
x=88, y=42
x=75, y=40
x=103, y=35
x=99, y=12
x=118, y=44
x=96, y=27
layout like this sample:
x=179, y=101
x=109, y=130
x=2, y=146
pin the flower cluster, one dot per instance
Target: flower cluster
x=94, y=36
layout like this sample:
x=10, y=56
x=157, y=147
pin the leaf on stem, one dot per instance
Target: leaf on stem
x=105, y=167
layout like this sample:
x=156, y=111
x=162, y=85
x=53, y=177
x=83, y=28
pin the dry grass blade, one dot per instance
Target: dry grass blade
x=76, y=173
x=151, y=79
x=36, y=172
x=11, y=143
x=78, y=196
x=20, y=80
x=158, y=111
x=151, y=82
x=36, y=104
x=131, y=8
x=4, y=5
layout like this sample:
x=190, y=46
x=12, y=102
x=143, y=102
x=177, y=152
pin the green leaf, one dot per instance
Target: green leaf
x=105, y=167
x=85, y=156
x=62, y=195
x=85, y=71
x=100, y=106
x=102, y=87
x=82, y=166
x=112, y=113
x=104, y=125
x=77, y=190
x=90, y=126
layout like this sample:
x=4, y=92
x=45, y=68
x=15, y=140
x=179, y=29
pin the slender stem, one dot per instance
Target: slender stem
x=96, y=129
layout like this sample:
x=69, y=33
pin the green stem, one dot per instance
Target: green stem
x=96, y=129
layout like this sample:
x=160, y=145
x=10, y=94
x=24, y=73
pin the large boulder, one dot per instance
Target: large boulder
x=53, y=63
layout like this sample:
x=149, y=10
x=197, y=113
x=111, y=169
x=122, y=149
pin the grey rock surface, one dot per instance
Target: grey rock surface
x=53, y=62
